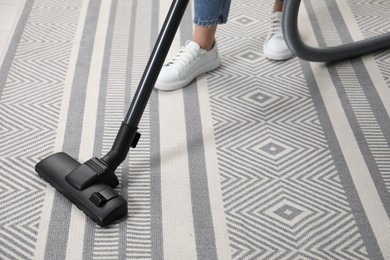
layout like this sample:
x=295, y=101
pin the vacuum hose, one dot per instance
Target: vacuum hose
x=329, y=54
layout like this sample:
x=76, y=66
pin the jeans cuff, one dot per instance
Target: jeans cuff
x=209, y=22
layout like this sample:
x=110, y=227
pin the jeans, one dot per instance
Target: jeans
x=211, y=12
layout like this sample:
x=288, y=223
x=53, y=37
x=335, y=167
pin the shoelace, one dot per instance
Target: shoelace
x=184, y=57
x=276, y=25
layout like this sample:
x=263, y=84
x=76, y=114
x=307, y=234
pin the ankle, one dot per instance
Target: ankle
x=205, y=45
x=204, y=36
x=209, y=46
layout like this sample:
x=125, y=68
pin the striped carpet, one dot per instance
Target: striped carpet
x=256, y=160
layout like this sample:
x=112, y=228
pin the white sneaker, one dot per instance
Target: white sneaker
x=189, y=63
x=275, y=48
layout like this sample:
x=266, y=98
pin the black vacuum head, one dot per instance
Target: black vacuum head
x=89, y=186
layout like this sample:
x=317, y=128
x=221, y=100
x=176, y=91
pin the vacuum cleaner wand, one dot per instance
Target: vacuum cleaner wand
x=90, y=185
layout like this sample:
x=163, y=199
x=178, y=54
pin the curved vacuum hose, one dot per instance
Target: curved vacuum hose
x=329, y=54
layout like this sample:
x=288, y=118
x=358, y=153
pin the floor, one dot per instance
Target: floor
x=9, y=13
x=255, y=160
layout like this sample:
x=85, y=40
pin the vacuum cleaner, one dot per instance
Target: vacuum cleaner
x=90, y=185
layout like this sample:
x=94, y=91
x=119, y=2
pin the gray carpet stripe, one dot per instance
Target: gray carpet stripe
x=157, y=243
x=56, y=244
x=203, y=223
x=76, y=108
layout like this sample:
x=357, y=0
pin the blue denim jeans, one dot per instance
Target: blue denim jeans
x=211, y=12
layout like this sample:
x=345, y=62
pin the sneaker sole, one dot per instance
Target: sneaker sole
x=181, y=84
x=277, y=56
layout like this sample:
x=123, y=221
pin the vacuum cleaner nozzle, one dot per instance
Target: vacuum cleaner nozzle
x=89, y=186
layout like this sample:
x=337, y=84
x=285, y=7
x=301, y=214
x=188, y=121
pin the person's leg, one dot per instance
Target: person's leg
x=200, y=55
x=207, y=15
x=204, y=36
x=278, y=6
x=275, y=48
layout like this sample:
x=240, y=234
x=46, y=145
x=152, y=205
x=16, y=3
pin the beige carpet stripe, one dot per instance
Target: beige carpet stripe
x=177, y=219
x=49, y=192
x=360, y=174
x=178, y=230
x=78, y=218
x=5, y=45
